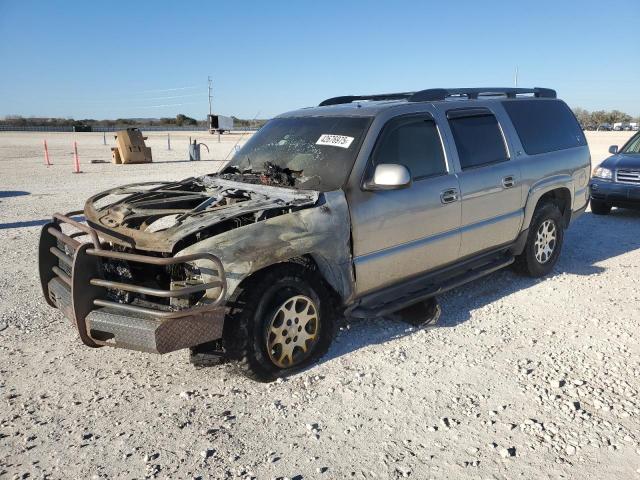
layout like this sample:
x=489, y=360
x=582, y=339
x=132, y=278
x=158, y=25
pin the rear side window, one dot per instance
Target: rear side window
x=544, y=125
x=478, y=138
x=414, y=143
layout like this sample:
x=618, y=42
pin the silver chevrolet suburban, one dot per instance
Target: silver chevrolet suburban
x=362, y=206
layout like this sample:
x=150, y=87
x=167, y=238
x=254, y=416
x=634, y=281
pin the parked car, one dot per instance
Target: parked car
x=605, y=127
x=363, y=206
x=616, y=181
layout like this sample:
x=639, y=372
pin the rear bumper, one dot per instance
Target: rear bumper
x=618, y=194
x=73, y=280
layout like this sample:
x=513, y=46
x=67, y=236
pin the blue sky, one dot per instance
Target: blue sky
x=91, y=59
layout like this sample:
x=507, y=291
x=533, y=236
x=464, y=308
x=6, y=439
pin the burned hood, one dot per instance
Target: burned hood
x=166, y=216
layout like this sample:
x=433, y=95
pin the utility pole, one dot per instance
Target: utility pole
x=515, y=78
x=209, y=79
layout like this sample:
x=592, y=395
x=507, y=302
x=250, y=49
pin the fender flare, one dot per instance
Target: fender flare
x=542, y=187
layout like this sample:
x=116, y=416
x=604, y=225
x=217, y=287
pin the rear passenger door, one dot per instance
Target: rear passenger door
x=401, y=233
x=490, y=182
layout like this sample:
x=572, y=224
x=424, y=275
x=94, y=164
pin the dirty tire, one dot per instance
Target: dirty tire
x=545, y=217
x=253, y=308
x=599, y=207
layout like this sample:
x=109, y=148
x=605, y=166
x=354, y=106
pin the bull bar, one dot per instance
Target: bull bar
x=82, y=294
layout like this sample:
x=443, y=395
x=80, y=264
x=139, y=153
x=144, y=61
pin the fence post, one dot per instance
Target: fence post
x=168, y=141
x=104, y=138
x=46, y=155
x=76, y=159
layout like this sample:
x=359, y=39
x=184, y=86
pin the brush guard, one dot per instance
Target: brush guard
x=72, y=280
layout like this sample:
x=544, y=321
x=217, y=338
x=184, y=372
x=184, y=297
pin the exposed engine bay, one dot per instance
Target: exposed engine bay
x=166, y=217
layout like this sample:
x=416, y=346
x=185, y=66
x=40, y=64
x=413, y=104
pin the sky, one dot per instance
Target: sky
x=116, y=59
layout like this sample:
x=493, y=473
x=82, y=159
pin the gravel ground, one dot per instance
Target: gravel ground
x=521, y=379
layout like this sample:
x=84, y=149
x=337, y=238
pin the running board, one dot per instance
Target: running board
x=376, y=305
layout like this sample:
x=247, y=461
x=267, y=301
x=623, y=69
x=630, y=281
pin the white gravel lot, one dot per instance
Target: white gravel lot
x=522, y=379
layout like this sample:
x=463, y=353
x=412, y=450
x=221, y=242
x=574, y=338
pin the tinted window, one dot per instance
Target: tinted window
x=544, y=125
x=414, y=143
x=632, y=146
x=478, y=140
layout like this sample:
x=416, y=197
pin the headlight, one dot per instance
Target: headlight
x=604, y=173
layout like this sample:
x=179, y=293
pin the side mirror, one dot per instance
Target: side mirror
x=613, y=149
x=389, y=176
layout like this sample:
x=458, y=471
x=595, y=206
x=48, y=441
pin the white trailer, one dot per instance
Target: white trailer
x=220, y=124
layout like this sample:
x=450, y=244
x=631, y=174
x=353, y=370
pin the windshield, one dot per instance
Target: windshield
x=315, y=153
x=633, y=145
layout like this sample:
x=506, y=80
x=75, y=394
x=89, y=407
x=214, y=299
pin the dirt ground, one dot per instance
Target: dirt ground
x=522, y=378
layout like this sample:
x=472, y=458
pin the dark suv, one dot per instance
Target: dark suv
x=616, y=181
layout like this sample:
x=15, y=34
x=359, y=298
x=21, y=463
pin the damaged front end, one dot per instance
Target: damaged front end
x=124, y=299
x=153, y=265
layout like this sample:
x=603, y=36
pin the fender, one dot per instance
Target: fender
x=541, y=187
x=322, y=232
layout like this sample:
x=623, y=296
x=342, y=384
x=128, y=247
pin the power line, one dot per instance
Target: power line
x=136, y=99
x=163, y=105
x=169, y=89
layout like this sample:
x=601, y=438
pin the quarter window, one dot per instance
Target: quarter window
x=414, y=143
x=544, y=125
x=478, y=138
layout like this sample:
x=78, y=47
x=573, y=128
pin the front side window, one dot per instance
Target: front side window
x=478, y=138
x=414, y=143
x=633, y=146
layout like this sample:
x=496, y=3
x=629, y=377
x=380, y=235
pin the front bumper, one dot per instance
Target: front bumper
x=73, y=280
x=615, y=193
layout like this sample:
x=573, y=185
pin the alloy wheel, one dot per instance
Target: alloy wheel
x=546, y=241
x=293, y=331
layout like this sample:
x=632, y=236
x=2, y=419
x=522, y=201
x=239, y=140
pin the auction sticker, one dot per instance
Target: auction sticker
x=334, y=140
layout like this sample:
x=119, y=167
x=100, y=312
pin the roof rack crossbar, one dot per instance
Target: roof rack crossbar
x=437, y=94
x=355, y=98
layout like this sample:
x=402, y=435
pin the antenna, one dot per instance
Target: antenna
x=209, y=80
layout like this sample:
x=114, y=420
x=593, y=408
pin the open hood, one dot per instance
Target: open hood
x=158, y=216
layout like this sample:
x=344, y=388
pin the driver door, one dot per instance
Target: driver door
x=403, y=232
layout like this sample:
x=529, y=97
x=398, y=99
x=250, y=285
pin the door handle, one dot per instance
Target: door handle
x=449, y=195
x=509, y=181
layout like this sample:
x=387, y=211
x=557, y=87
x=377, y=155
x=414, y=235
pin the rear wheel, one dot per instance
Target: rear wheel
x=544, y=241
x=599, y=207
x=279, y=322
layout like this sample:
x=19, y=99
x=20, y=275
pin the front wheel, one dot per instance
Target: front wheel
x=544, y=242
x=280, y=321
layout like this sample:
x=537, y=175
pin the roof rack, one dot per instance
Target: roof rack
x=355, y=98
x=437, y=94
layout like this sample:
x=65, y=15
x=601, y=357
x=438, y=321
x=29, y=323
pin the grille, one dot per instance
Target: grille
x=628, y=176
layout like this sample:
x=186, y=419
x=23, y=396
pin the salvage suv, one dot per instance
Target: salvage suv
x=362, y=206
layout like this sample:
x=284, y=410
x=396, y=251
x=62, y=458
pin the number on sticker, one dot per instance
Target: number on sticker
x=341, y=141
